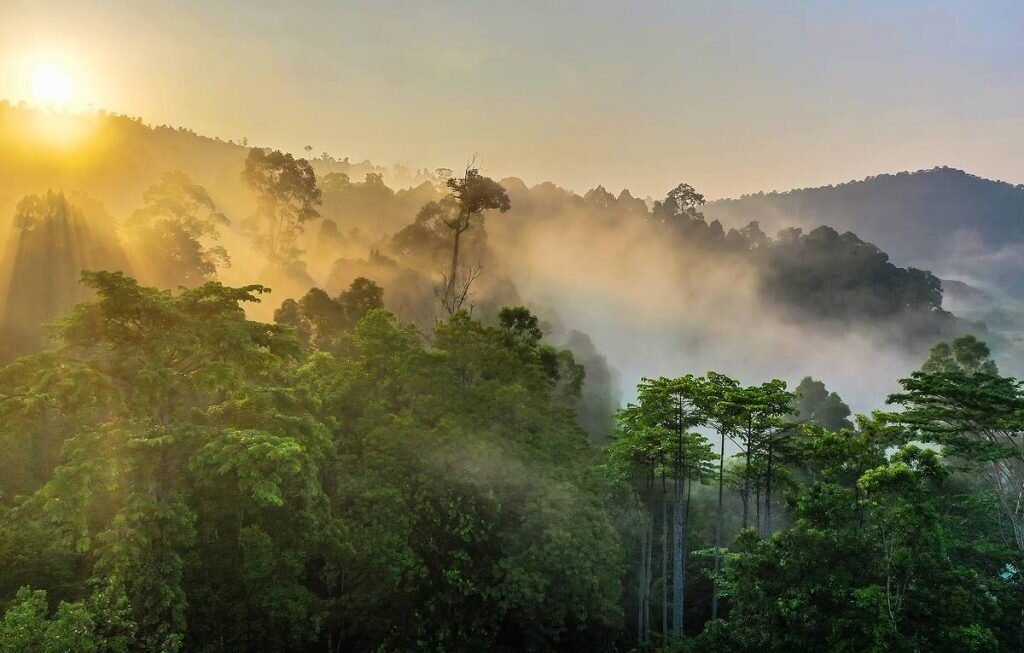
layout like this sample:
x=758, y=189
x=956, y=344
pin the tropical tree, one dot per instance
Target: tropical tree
x=473, y=194
x=169, y=231
x=961, y=403
x=324, y=322
x=718, y=401
x=287, y=197
x=814, y=404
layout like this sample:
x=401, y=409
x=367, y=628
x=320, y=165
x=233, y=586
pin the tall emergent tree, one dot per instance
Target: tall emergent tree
x=474, y=194
x=287, y=195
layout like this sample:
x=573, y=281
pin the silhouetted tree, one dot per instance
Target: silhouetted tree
x=287, y=199
x=178, y=214
x=474, y=194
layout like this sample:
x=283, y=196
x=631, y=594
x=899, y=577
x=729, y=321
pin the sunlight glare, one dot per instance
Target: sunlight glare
x=51, y=84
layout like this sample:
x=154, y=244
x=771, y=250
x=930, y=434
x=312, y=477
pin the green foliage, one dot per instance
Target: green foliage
x=959, y=401
x=965, y=354
x=323, y=322
x=867, y=571
x=839, y=277
x=217, y=487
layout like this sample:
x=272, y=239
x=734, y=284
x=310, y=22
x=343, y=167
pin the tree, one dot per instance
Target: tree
x=324, y=322
x=814, y=404
x=655, y=434
x=287, y=197
x=473, y=520
x=720, y=413
x=177, y=216
x=473, y=195
x=965, y=354
x=976, y=415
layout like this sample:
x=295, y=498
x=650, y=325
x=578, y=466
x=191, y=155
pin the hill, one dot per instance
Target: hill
x=951, y=222
x=115, y=157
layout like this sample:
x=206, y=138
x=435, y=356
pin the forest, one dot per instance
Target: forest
x=409, y=445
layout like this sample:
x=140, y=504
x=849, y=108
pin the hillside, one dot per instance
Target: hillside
x=945, y=220
x=114, y=158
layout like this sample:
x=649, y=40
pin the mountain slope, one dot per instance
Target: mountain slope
x=951, y=222
x=114, y=158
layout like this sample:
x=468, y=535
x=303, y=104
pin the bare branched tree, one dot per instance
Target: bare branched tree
x=453, y=290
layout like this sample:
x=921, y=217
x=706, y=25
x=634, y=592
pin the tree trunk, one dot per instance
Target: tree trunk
x=757, y=505
x=650, y=579
x=745, y=492
x=677, y=560
x=768, y=493
x=678, y=573
x=640, y=584
x=664, y=556
x=682, y=590
x=646, y=574
x=449, y=291
x=718, y=530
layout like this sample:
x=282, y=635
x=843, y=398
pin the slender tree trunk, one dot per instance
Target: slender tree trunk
x=650, y=578
x=677, y=560
x=757, y=505
x=686, y=524
x=664, y=556
x=745, y=493
x=450, y=290
x=678, y=573
x=768, y=492
x=646, y=563
x=641, y=573
x=718, y=529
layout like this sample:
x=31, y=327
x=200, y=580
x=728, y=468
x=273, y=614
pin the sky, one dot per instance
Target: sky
x=731, y=97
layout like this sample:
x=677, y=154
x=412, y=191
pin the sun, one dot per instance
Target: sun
x=51, y=84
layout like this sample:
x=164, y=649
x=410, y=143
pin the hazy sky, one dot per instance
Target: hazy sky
x=733, y=97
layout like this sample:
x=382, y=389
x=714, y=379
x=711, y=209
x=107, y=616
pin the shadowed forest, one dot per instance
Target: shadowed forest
x=255, y=400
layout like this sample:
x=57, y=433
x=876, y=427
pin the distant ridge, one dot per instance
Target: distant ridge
x=957, y=224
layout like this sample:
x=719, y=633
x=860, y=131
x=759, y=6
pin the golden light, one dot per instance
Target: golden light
x=51, y=84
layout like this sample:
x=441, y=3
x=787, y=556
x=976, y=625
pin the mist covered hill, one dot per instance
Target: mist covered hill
x=951, y=222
